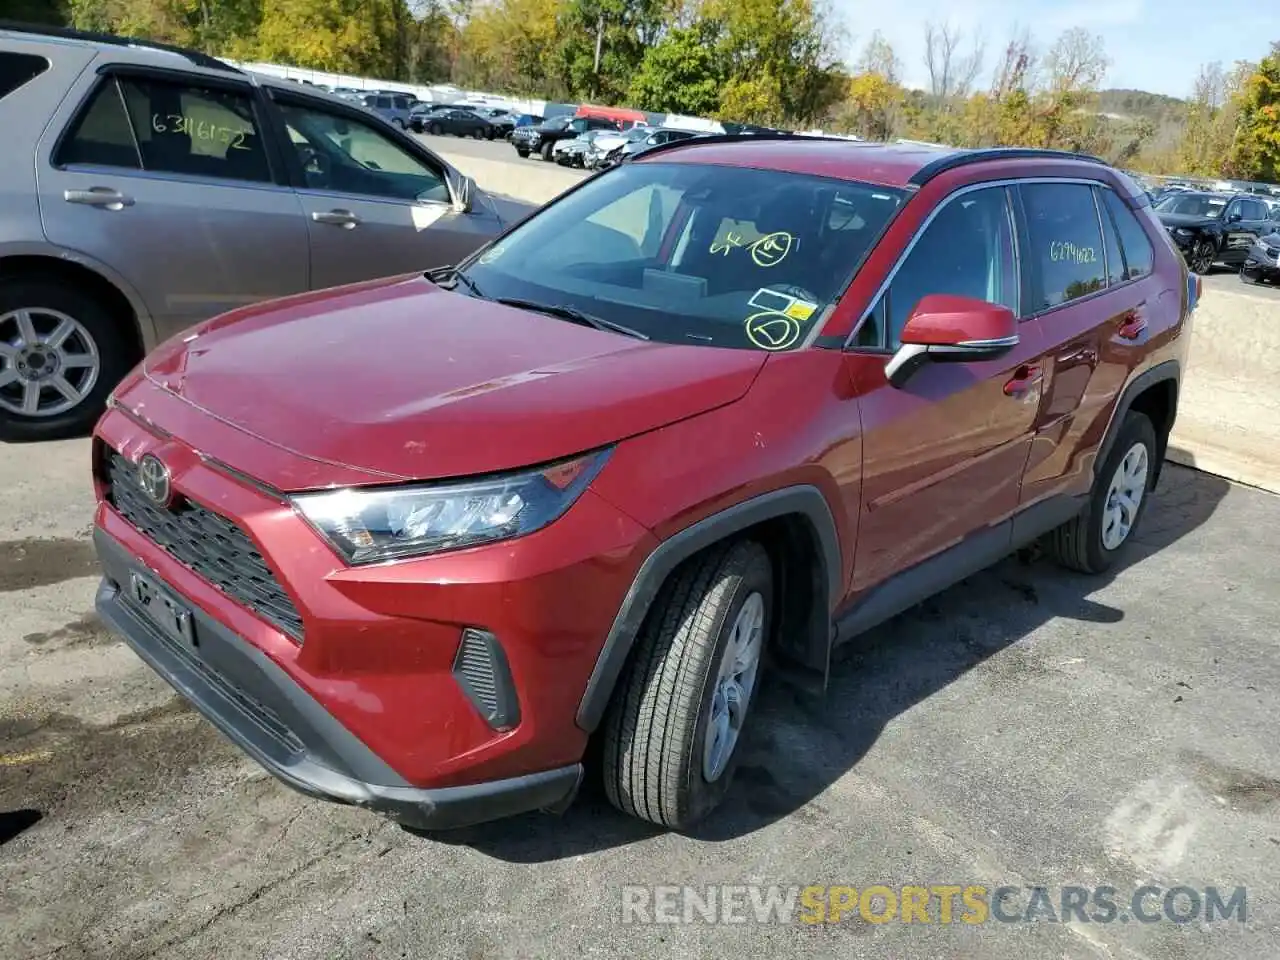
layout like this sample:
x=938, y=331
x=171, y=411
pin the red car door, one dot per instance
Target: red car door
x=943, y=455
x=1093, y=308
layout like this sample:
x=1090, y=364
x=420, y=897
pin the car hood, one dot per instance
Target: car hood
x=401, y=380
x=1186, y=220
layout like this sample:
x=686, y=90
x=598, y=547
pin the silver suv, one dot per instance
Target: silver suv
x=144, y=188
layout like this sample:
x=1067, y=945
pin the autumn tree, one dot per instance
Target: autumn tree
x=680, y=74
x=1255, y=154
x=874, y=100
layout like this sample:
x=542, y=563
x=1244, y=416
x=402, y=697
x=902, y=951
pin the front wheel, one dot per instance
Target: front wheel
x=523, y=154
x=435, y=129
x=477, y=133
x=547, y=149
x=60, y=356
x=1091, y=542
x=1246, y=277
x=1202, y=257
x=672, y=733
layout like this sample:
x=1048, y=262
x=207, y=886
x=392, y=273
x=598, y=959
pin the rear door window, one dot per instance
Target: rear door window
x=1064, y=243
x=195, y=131
x=19, y=69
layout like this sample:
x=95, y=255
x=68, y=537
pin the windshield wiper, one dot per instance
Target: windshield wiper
x=572, y=314
x=448, y=274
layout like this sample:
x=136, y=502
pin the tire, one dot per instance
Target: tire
x=435, y=129
x=1201, y=259
x=477, y=133
x=546, y=150
x=655, y=751
x=399, y=123
x=47, y=303
x=1082, y=544
x=1245, y=278
x=523, y=154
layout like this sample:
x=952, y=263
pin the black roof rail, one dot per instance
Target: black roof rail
x=962, y=158
x=710, y=138
x=68, y=33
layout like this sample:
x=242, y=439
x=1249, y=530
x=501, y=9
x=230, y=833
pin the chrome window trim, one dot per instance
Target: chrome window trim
x=928, y=221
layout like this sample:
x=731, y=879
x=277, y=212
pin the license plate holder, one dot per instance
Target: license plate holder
x=159, y=606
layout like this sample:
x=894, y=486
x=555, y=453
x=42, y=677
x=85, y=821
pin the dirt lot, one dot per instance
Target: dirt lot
x=1028, y=727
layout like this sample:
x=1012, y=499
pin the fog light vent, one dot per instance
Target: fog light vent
x=481, y=670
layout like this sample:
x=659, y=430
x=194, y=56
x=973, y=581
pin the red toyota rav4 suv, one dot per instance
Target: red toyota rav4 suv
x=411, y=543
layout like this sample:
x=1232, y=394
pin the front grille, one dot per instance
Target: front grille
x=208, y=544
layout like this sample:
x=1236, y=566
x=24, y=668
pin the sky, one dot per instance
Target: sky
x=1155, y=45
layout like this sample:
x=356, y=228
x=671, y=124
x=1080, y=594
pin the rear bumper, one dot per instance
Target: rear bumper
x=260, y=708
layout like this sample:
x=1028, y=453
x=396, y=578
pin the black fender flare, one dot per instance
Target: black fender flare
x=804, y=499
x=1161, y=372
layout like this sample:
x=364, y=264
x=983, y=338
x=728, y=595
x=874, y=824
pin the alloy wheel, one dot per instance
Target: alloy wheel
x=49, y=362
x=1202, y=258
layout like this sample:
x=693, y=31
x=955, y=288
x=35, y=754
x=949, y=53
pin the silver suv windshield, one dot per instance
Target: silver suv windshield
x=693, y=253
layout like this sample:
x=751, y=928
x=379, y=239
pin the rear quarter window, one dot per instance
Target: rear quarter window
x=19, y=69
x=1136, y=245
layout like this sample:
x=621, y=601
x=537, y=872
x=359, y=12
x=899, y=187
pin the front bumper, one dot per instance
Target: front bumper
x=396, y=691
x=256, y=705
x=1261, y=266
x=1184, y=243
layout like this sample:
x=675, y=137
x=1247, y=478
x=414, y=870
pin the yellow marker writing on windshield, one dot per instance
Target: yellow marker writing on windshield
x=730, y=241
x=771, y=249
x=771, y=330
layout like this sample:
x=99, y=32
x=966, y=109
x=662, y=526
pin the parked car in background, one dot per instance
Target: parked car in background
x=1262, y=263
x=157, y=189
x=607, y=142
x=421, y=114
x=542, y=139
x=393, y=107
x=655, y=138
x=708, y=416
x=1211, y=228
x=572, y=153
x=461, y=122
x=348, y=93
x=501, y=121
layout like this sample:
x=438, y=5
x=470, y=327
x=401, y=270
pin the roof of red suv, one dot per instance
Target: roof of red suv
x=890, y=165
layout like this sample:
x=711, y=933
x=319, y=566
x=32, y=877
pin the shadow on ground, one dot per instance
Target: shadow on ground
x=878, y=676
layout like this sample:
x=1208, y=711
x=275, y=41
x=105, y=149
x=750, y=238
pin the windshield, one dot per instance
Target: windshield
x=693, y=253
x=1195, y=205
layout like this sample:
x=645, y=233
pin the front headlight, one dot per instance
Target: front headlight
x=368, y=525
x=1184, y=232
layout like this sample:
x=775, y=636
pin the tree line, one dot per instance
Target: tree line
x=773, y=62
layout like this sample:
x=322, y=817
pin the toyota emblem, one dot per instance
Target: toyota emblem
x=153, y=478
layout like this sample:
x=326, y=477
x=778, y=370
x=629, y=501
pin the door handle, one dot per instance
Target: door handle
x=339, y=218
x=103, y=197
x=1085, y=355
x=1132, y=326
x=1024, y=378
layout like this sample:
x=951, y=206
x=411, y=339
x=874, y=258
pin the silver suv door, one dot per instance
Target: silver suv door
x=167, y=178
x=375, y=206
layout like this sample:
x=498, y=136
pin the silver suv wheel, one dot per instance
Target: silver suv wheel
x=49, y=362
